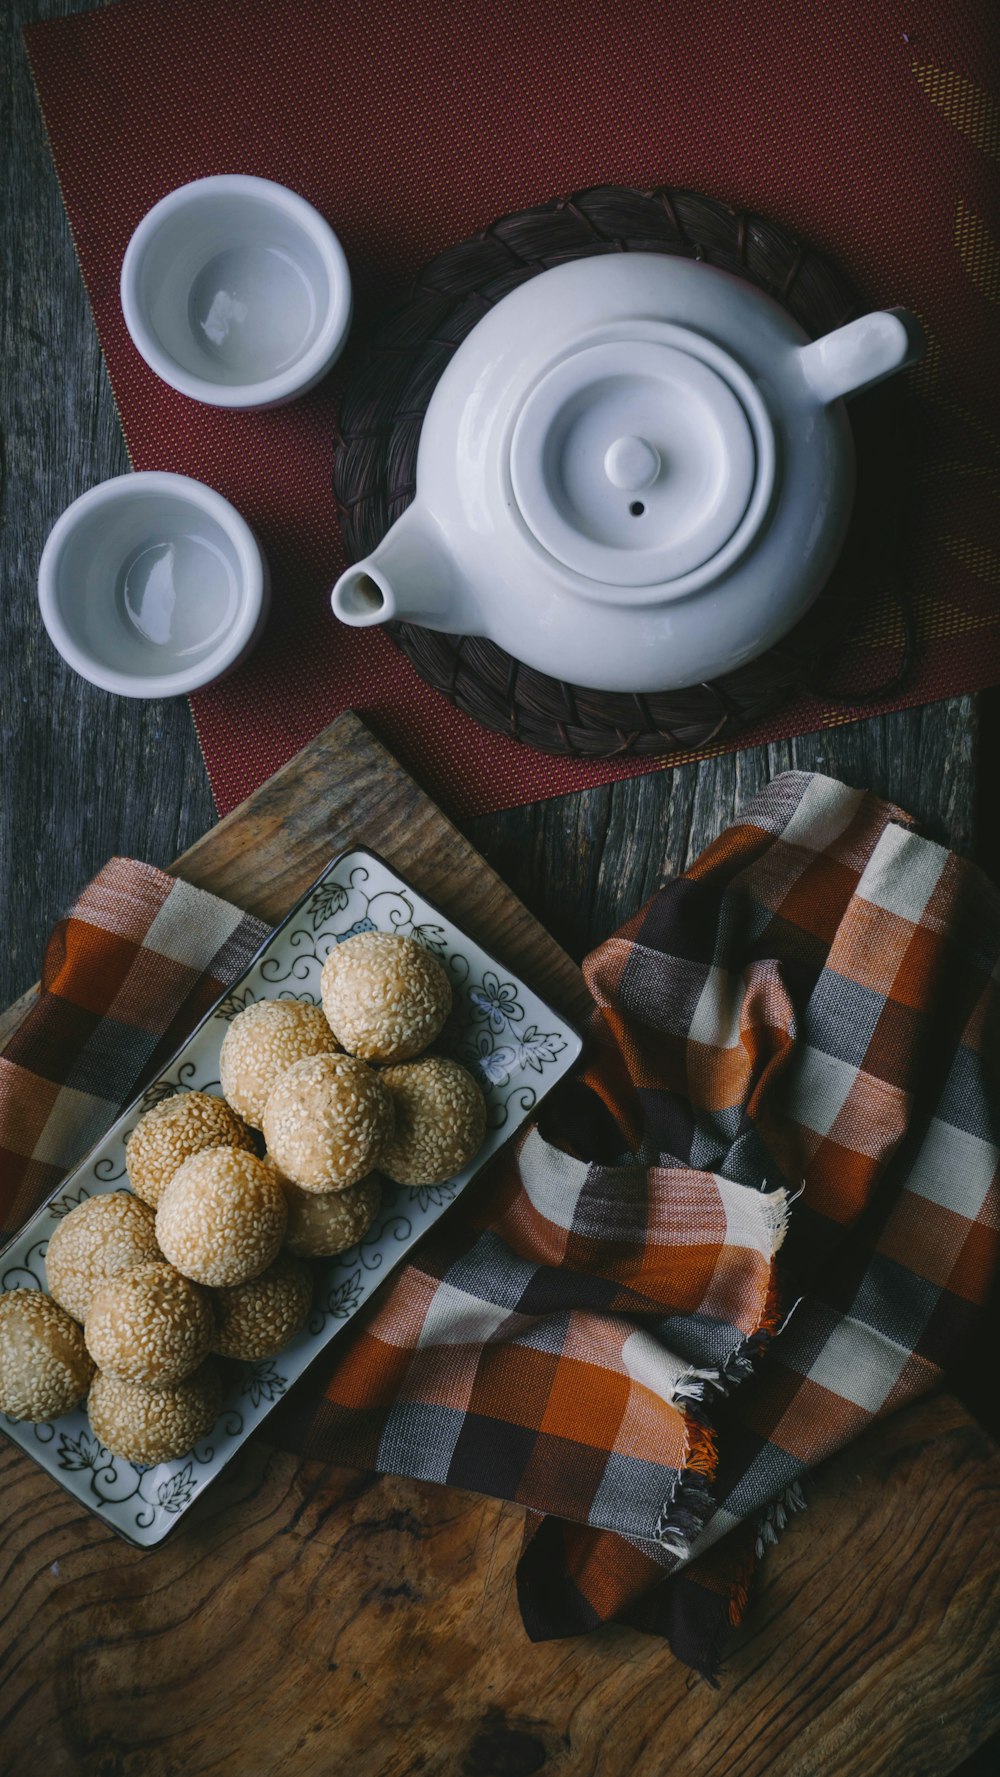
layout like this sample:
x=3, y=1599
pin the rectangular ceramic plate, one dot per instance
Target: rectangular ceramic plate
x=518, y=1048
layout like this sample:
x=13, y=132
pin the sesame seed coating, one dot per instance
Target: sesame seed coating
x=154, y=1424
x=386, y=997
x=150, y=1325
x=327, y=1121
x=171, y=1132
x=100, y=1237
x=261, y=1043
x=45, y=1368
x=323, y=1223
x=257, y=1319
x=222, y=1217
x=440, y=1121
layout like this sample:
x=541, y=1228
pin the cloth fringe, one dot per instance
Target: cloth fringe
x=684, y=1514
x=772, y=1520
x=689, y=1502
x=687, y=1507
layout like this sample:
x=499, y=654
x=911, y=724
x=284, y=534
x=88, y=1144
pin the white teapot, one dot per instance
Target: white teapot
x=635, y=473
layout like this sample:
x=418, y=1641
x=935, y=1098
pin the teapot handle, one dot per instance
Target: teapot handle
x=862, y=353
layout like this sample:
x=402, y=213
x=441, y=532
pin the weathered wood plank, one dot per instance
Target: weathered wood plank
x=584, y=863
x=307, y=1619
x=83, y=774
x=344, y=789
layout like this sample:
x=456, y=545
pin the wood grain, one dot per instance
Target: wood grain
x=83, y=774
x=308, y=1620
x=584, y=863
x=345, y=789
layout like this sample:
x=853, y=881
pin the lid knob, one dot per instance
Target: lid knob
x=632, y=463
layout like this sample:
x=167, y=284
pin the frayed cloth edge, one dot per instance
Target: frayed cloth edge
x=773, y=1518
x=689, y=1504
x=683, y=1514
x=776, y=1205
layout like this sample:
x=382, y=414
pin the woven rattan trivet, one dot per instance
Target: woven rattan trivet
x=383, y=410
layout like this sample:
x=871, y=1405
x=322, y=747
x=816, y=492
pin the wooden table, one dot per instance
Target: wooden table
x=366, y=1595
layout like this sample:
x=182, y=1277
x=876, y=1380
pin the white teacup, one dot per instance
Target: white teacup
x=236, y=292
x=152, y=585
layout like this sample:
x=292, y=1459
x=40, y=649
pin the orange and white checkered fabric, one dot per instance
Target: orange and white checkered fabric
x=803, y=1031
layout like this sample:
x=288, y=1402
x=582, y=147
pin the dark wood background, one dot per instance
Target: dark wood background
x=85, y=774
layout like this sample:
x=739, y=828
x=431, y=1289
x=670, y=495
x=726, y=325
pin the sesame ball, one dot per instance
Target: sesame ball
x=323, y=1223
x=45, y=1369
x=386, y=996
x=171, y=1132
x=258, y=1318
x=222, y=1216
x=327, y=1121
x=153, y=1425
x=440, y=1121
x=150, y=1325
x=261, y=1043
x=99, y=1238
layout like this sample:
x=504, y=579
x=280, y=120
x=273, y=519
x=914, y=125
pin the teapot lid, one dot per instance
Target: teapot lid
x=642, y=456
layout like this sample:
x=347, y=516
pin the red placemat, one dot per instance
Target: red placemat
x=867, y=125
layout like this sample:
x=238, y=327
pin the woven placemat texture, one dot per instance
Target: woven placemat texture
x=866, y=127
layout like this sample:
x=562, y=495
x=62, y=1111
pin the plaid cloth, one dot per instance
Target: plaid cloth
x=127, y=974
x=804, y=1026
x=794, y=1048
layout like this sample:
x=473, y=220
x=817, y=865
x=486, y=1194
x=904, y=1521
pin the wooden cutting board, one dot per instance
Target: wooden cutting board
x=308, y=1619
x=344, y=789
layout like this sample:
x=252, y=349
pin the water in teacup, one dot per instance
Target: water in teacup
x=180, y=594
x=252, y=309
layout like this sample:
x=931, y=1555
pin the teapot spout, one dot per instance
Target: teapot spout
x=409, y=578
x=864, y=352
